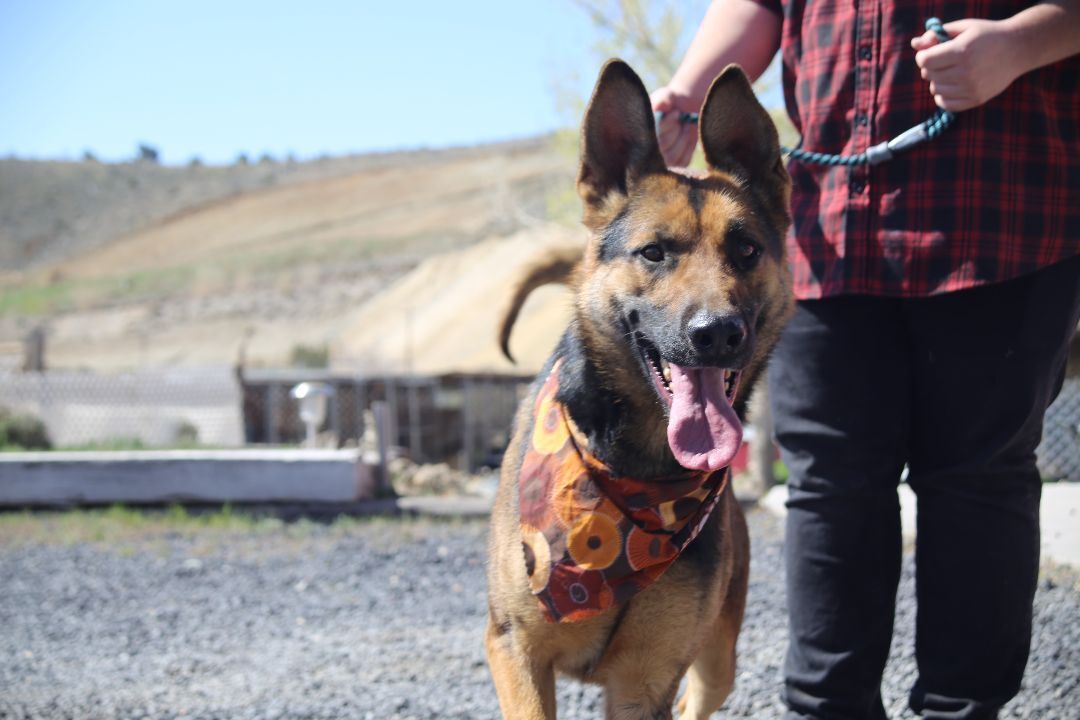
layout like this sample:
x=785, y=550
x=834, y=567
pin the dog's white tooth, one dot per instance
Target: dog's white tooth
x=667, y=372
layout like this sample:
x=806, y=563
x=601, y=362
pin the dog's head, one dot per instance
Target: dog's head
x=684, y=286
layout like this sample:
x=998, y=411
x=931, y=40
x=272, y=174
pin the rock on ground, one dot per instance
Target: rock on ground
x=377, y=619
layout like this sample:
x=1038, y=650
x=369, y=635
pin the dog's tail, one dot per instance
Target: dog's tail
x=555, y=265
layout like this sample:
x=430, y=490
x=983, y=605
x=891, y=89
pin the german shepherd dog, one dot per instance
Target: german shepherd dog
x=680, y=295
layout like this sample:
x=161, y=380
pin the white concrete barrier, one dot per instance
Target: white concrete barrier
x=157, y=476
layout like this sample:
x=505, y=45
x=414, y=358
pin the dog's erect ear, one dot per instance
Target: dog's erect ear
x=738, y=136
x=618, y=136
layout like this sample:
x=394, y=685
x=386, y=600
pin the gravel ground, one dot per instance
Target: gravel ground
x=360, y=619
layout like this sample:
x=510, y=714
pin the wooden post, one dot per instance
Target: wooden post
x=361, y=405
x=467, y=420
x=484, y=411
x=390, y=390
x=34, y=350
x=762, y=452
x=380, y=414
x=272, y=412
x=334, y=412
x=415, y=430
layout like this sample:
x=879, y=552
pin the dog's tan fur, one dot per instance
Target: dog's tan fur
x=687, y=622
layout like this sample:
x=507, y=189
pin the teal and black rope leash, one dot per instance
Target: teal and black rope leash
x=877, y=154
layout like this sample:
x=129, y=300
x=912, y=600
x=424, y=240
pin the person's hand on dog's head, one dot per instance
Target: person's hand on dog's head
x=677, y=139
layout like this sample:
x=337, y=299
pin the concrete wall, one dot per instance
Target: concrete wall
x=74, y=478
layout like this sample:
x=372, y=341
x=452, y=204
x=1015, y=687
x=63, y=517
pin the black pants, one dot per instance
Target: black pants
x=955, y=387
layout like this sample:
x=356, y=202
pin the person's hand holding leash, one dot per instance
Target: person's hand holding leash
x=733, y=31
x=984, y=57
x=975, y=66
x=677, y=139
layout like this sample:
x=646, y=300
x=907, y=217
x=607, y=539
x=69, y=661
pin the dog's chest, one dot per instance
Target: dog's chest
x=654, y=620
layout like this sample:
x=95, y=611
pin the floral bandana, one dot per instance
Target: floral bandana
x=592, y=539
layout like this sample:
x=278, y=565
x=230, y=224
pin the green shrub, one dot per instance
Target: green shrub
x=309, y=356
x=187, y=435
x=19, y=431
x=111, y=444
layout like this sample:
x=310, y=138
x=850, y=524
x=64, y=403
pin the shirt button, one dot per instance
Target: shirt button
x=861, y=119
x=857, y=187
x=865, y=53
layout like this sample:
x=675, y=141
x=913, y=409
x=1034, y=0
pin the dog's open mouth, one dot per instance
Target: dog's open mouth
x=704, y=432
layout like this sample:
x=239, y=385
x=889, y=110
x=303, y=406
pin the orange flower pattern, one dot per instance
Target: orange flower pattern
x=592, y=539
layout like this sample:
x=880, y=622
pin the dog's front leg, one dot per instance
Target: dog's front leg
x=627, y=697
x=525, y=688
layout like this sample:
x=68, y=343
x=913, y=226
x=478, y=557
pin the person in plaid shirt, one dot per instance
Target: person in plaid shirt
x=938, y=293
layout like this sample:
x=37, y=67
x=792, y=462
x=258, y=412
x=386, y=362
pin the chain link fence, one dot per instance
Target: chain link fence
x=143, y=407
x=463, y=419
x=1059, y=453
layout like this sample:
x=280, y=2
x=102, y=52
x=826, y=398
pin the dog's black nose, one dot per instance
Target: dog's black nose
x=715, y=336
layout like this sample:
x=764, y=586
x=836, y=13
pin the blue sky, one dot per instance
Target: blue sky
x=215, y=79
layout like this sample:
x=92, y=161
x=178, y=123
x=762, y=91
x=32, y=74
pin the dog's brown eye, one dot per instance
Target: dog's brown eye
x=748, y=250
x=652, y=253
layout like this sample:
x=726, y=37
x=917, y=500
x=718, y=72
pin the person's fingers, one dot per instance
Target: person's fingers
x=668, y=124
x=667, y=150
x=955, y=103
x=950, y=76
x=683, y=149
x=668, y=145
x=663, y=100
x=949, y=88
x=669, y=140
x=954, y=28
x=927, y=40
x=938, y=57
x=668, y=132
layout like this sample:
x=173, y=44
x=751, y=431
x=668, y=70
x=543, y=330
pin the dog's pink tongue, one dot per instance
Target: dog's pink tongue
x=703, y=431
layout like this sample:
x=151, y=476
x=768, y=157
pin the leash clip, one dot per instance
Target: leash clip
x=911, y=137
x=877, y=154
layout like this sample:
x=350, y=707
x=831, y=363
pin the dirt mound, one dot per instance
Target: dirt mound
x=443, y=315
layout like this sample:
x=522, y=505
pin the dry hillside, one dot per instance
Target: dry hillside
x=52, y=210
x=186, y=269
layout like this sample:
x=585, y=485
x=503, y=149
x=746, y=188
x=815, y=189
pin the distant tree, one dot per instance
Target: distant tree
x=266, y=159
x=148, y=153
x=652, y=36
x=242, y=159
x=309, y=356
x=195, y=161
x=89, y=157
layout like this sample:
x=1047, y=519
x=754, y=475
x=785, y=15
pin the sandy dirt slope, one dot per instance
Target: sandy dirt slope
x=443, y=316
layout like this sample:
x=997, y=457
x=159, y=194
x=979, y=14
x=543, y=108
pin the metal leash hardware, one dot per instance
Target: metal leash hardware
x=876, y=154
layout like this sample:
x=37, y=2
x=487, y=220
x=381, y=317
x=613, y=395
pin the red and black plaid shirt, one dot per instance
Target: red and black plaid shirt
x=996, y=196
